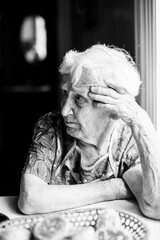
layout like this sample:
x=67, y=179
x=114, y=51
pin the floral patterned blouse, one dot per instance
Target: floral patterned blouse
x=55, y=157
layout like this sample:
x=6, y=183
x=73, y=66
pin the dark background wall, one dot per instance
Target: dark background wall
x=23, y=98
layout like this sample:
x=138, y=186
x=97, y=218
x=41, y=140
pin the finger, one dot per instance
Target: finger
x=118, y=89
x=108, y=107
x=102, y=98
x=104, y=91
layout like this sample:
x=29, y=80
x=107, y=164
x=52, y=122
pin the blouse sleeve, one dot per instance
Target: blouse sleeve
x=42, y=152
x=129, y=152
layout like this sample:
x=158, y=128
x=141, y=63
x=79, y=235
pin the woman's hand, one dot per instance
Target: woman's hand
x=116, y=100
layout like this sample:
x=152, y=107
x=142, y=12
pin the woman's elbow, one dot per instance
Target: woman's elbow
x=151, y=210
x=26, y=204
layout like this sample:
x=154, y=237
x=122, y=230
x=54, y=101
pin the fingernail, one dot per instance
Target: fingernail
x=89, y=93
x=92, y=89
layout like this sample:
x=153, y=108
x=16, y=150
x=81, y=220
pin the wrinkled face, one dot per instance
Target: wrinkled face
x=83, y=119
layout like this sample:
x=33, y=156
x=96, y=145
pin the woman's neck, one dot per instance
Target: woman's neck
x=92, y=152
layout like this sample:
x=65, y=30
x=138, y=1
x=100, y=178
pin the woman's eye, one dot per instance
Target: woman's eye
x=80, y=100
x=65, y=93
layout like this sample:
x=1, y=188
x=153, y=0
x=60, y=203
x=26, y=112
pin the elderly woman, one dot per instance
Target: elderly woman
x=102, y=146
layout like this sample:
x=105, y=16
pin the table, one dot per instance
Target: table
x=8, y=206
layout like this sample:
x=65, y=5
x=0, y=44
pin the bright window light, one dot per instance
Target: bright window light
x=158, y=62
x=33, y=36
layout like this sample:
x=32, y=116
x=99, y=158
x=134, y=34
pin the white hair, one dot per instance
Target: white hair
x=104, y=65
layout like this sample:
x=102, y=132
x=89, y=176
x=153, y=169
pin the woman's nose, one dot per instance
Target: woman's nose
x=67, y=107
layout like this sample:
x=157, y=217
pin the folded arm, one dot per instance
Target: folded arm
x=36, y=196
x=147, y=177
x=144, y=181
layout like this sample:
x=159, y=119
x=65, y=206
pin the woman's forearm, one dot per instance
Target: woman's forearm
x=149, y=148
x=38, y=197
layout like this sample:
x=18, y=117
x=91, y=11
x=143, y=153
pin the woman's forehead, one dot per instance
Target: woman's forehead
x=79, y=88
x=83, y=82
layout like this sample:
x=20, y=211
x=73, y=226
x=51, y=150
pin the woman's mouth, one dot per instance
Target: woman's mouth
x=72, y=125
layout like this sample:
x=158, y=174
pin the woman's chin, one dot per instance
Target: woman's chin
x=72, y=131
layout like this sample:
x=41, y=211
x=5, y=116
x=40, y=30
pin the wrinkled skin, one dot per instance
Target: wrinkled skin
x=85, y=120
x=117, y=101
